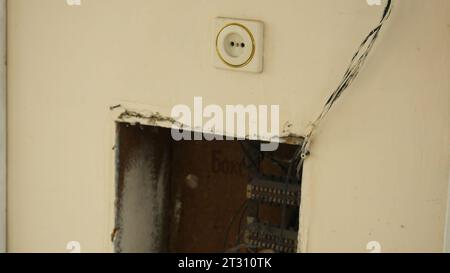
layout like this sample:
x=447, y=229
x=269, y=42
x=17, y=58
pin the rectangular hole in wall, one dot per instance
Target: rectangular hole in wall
x=202, y=196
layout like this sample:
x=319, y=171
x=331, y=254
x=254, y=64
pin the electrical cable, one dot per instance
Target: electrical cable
x=241, y=219
x=242, y=209
x=255, y=163
x=357, y=62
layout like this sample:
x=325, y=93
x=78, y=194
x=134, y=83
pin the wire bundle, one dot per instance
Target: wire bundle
x=352, y=72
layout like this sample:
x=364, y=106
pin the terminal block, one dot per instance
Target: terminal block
x=274, y=192
x=263, y=236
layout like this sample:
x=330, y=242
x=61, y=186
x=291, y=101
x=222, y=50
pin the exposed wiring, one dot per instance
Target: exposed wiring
x=239, y=247
x=241, y=220
x=255, y=158
x=241, y=210
x=352, y=72
x=254, y=162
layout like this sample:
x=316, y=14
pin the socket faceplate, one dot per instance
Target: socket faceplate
x=238, y=45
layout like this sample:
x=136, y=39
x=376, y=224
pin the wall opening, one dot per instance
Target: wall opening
x=202, y=196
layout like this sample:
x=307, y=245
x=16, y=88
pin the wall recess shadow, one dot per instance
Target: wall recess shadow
x=202, y=196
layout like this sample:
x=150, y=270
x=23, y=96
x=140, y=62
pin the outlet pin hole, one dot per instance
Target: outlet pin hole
x=236, y=44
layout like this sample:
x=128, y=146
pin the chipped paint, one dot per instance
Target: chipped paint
x=130, y=115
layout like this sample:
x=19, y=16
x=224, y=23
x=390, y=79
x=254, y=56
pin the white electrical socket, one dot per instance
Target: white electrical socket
x=238, y=45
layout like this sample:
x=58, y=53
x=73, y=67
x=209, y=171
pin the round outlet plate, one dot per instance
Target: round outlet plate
x=235, y=45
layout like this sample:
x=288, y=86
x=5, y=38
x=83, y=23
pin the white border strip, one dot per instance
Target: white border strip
x=3, y=126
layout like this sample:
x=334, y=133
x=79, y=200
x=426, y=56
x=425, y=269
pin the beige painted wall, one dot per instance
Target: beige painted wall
x=379, y=168
x=3, y=127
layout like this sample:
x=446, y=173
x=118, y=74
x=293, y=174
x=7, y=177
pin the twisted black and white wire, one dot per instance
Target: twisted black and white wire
x=352, y=72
